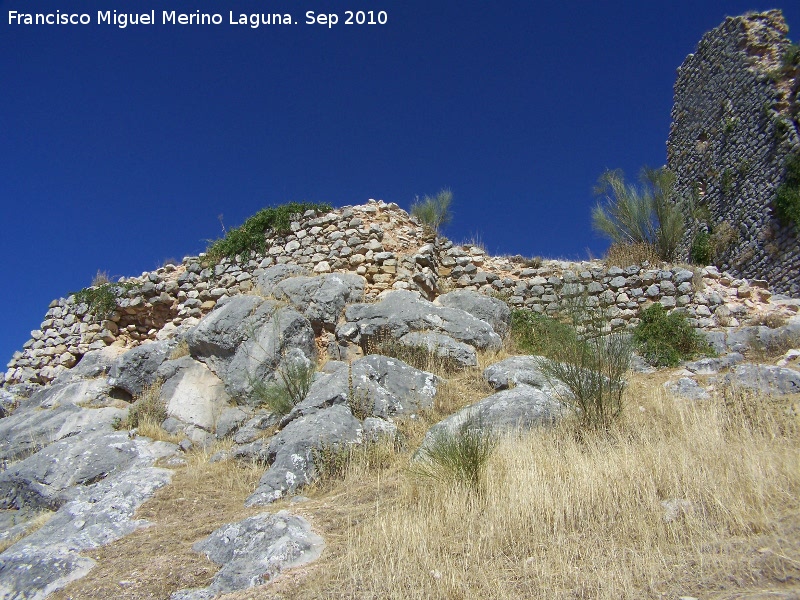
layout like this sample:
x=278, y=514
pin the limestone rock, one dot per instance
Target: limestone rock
x=255, y=551
x=495, y=312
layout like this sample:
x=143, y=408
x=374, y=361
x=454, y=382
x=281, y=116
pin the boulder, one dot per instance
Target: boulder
x=216, y=337
x=274, y=275
x=291, y=451
x=525, y=370
x=442, y=345
x=495, y=312
x=686, y=387
x=764, y=379
x=254, y=551
x=136, y=369
x=400, y=312
x=287, y=336
x=520, y=408
x=712, y=366
x=246, y=338
x=387, y=385
x=321, y=299
x=192, y=393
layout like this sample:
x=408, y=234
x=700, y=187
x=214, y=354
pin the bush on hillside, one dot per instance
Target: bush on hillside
x=249, y=238
x=665, y=339
x=533, y=333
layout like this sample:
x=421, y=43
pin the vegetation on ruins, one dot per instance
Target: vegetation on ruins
x=665, y=339
x=647, y=214
x=787, y=198
x=434, y=211
x=250, y=237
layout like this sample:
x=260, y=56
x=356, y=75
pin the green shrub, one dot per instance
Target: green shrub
x=250, y=237
x=665, y=339
x=787, y=198
x=294, y=379
x=101, y=300
x=649, y=214
x=434, y=211
x=700, y=252
x=537, y=334
x=457, y=457
x=591, y=362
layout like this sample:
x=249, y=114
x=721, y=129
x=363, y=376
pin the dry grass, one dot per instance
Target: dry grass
x=181, y=350
x=155, y=561
x=563, y=515
x=624, y=255
x=569, y=516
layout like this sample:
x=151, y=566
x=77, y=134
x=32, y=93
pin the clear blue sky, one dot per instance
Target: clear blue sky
x=119, y=148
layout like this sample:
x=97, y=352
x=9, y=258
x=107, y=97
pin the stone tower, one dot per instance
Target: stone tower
x=734, y=123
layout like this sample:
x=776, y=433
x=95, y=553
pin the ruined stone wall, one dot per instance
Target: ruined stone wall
x=733, y=125
x=390, y=250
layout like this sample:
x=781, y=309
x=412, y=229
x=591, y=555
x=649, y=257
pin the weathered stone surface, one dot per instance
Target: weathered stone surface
x=291, y=451
x=136, y=369
x=518, y=370
x=217, y=336
x=688, y=388
x=495, y=312
x=321, y=299
x=520, y=408
x=442, y=345
x=82, y=392
x=400, y=312
x=765, y=379
x=386, y=385
x=97, y=514
x=29, y=429
x=46, y=479
x=282, y=338
x=192, y=393
x=255, y=551
x=245, y=338
x=274, y=275
x=712, y=366
x=229, y=421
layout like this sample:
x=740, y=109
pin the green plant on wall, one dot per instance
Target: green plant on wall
x=101, y=300
x=250, y=237
x=787, y=197
x=726, y=181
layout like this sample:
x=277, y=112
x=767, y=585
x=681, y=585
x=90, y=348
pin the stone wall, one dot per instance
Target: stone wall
x=734, y=121
x=390, y=250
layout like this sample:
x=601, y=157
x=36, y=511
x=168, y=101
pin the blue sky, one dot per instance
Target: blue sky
x=119, y=148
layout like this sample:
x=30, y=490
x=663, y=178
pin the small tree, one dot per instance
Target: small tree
x=434, y=212
x=649, y=214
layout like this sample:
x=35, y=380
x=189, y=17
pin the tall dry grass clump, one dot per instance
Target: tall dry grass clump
x=676, y=499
